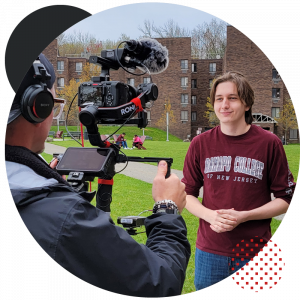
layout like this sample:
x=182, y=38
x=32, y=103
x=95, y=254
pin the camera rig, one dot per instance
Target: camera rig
x=102, y=101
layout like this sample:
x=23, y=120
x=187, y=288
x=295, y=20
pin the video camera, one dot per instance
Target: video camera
x=102, y=101
x=111, y=102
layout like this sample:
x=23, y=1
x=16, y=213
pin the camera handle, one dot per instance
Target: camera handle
x=104, y=192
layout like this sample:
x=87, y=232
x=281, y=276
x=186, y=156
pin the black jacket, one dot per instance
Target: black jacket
x=82, y=239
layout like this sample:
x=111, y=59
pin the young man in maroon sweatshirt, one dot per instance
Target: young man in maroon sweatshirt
x=239, y=165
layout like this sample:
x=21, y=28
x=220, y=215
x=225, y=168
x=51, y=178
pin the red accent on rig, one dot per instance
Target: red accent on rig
x=137, y=103
x=106, y=182
x=107, y=144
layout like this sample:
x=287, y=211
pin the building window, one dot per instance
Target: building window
x=194, y=99
x=60, y=65
x=77, y=80
x=275, y=112
x=275, y=74
x=130, y=81
x=210, y=83
x=60, y=82
x=184, y=81
x=194, y=83
x=184, y=64
x=293, y=134
x=194, y=116
x=194, y=68
x=79, y=67
x=275, y=93
x=184, y=115
x=212, y=67
x=147, y=80
x=184, y=98
x=148, y=115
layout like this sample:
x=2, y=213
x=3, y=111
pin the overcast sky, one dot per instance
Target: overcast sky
x=110, y=24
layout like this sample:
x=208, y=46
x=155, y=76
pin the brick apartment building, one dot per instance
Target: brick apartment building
x=187, y=81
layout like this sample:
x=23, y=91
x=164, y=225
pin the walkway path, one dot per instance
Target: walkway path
x=135, y=170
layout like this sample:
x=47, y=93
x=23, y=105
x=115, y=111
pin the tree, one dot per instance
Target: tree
x=147, y=30
x=162, y=123
x=170, y=29
x=287, y=118
x=209, y=39
x=210, y=114
x=77, y=42
x=68, y=93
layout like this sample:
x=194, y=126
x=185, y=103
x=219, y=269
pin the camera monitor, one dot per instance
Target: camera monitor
x=90, y=161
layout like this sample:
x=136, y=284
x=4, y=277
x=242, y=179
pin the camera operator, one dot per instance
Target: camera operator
x=77, y=235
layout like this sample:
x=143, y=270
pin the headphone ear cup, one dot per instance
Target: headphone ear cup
x=36, y=104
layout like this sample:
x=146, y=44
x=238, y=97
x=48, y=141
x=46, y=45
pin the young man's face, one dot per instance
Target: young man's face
x=228, y=106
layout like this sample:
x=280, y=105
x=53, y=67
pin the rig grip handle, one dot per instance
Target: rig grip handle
x=104, y=197
x=169, y=168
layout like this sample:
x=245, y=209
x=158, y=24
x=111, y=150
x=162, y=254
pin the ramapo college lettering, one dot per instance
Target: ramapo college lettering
x=242, y=165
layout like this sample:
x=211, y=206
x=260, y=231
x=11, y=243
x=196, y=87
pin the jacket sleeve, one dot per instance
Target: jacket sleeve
x=105, y=255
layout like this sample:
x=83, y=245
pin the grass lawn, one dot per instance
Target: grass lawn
x=156, y=134
x=126, y=189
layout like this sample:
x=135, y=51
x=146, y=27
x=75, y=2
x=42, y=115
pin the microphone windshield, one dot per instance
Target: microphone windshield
x=157, y=60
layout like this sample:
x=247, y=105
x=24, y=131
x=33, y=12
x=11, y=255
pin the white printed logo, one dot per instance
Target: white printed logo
x=127, y=109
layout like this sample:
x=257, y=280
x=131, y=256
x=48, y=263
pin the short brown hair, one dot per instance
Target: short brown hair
x=244, y=89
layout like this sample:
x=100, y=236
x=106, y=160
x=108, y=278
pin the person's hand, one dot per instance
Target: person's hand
x=222, y=220
x=53, y=163
x=168, y=188
x=240, y=217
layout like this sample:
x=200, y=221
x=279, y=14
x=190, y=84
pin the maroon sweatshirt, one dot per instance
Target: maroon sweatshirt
x=237, y=172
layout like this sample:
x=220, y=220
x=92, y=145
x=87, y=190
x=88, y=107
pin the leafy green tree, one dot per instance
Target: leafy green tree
x=210, y=114
x=161, y=123
x=287, y=119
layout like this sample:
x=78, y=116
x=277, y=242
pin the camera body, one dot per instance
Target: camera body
x=113, y=93
x=105, y=94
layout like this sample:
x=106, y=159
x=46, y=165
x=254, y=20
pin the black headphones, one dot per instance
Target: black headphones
x=37, y=101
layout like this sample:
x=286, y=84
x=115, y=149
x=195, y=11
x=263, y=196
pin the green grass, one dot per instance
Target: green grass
x=155, y=133
x=132, y=196
x=293, y=155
